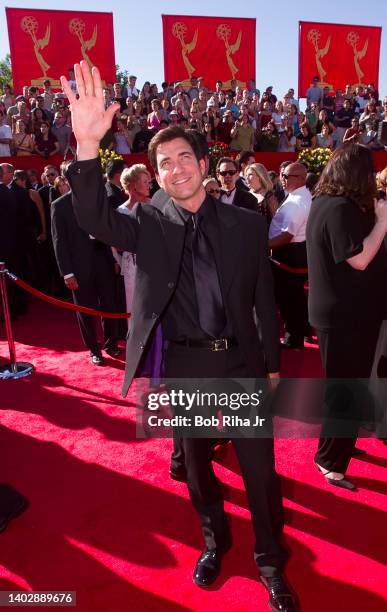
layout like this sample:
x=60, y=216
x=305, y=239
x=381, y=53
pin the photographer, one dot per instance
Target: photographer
x=242, y=135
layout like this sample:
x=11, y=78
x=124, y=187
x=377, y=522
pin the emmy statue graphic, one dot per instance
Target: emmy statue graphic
x=179, y=30
x=223, y=31
x=30, y=26
x=314, y=37
x=352, y=40
x=77, y=28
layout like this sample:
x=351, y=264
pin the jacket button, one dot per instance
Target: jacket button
x=171, y=285
x=154, y=315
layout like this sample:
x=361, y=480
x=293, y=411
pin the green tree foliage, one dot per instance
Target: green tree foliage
x=121, y=75
x=5, y=71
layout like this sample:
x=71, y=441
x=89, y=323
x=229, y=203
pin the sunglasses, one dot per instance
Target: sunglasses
x=213, y=190
x=227, y=172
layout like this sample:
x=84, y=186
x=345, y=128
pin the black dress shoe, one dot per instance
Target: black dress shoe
x=281, y=598
x=113, y=351
x=208, y=566
x=19, y=505
x=97, y=360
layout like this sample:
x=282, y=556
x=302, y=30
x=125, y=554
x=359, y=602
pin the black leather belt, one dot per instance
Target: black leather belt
x=219, y=344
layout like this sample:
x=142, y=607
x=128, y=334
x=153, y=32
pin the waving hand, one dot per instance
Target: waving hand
x=90, y=119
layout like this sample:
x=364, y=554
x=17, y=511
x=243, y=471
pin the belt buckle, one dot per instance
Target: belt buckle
x=220, y=344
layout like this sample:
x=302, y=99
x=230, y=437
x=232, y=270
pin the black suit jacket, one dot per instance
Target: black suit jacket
x=74, y=249
x=155, y=232
x=244, y=199
x=241, y=184
x=115, y=195
x=10, y=242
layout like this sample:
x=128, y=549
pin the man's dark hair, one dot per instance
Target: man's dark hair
x=244, y=156
x=311, y=181
x=20, y=174
x=171, y=133
x=350, y=173
x=114, y=166
x=284, y=164
x=226, y=160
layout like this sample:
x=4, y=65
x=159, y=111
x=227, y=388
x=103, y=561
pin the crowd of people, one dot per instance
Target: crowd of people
x=166, y=250
x=39, y=122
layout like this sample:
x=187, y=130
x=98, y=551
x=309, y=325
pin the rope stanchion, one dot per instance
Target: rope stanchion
x=14, y=369
x=62, y=304
x=286, y=268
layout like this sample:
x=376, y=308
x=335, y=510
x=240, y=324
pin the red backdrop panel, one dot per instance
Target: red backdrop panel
x=44, y=44
x=338, y=54
x=216, y=48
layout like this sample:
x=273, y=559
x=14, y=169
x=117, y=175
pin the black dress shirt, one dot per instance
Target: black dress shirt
x=181, y=319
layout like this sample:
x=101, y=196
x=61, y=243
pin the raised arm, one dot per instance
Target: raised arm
x=90, y=122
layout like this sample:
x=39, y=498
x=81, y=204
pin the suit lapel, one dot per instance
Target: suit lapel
x=172, y=227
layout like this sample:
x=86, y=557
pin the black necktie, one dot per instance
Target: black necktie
x=212, y=317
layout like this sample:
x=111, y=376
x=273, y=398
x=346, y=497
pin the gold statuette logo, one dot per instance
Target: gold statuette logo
x=314, y=37
x=30, y=26
x=179, y=30
x=352, y=40
x=223, y=32
x=77, y=27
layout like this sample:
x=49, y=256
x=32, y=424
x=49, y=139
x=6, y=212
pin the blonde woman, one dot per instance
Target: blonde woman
x=211, y=186
x=261, y=187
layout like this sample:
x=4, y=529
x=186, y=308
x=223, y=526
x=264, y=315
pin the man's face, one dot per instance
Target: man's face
x=32, y=177
x=117, y=90
x=51, y=174
x=250, y=161
x=179, y=173
x=347, y=105
x=292, y=178
x=227, y=175
x=132, y=81
x=315, y=82
x=7, y=174
x=59, y=119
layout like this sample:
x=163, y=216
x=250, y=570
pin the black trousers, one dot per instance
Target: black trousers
x=97, y=292
x=289, y=290
x=255, y=456
x=346, y=354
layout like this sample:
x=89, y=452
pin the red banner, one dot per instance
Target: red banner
x=216, y=48
x=338, y=55
x=44, y=44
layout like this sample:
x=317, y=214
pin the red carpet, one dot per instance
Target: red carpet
x=106, y=521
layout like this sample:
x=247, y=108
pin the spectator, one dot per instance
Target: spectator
x=261, y=187
x=242, y=135
x=48, y=98
x=155, y=116
x=5, y=136
x=287, y=142
x=244, y=159
x=46, y=144
x=328, y=103
x=8, y=99
x=268, y=139
x=119, y=96
x=225, y=127
x=312, y=115
x=131, y=89
x=14, y=110
x=37, y=118
x=305, y=139
x=122, y=137
x=23, y=143
x=265, y=114
x=62, y=132
x=314, y=94
x=324, y=138
x=212, y=187
x=352, y=134
x=142, y=138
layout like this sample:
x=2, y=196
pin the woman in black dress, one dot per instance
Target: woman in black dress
x=347, y=262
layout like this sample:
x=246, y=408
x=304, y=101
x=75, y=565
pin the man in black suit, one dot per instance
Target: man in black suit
x=187, y=253
x=227, y=174
x=87, y=267
x=115, y=194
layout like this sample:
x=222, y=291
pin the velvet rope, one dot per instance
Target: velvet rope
x=62, y=304
x=283, y=266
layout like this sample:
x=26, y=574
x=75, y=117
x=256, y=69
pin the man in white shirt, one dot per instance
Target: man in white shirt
x=287, y=241
x=131, y=89
x=5, y=136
